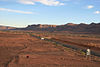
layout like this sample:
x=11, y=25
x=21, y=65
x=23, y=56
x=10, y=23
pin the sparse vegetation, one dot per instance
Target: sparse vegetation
x=41, y=52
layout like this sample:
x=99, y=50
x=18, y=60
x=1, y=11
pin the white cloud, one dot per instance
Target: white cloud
x=90, y=6
x=97, y=12
x=62, y=4
x=17, y=11
x=32, y=2
x=26, y=2
x=45, y=2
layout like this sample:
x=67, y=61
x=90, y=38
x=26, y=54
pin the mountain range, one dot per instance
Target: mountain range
x=6, y=27
x=69, y=27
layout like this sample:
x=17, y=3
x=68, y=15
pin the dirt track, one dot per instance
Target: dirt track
x=15, y=49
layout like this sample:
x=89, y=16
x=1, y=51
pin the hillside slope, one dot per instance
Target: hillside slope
x=70, y=27
x=6, y=27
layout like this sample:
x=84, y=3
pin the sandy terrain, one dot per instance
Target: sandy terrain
x=22, y=50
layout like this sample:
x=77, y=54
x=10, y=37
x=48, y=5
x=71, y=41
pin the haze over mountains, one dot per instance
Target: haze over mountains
x=70, y=27
x=6, y=27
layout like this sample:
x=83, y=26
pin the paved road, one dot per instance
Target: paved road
x=75, y=47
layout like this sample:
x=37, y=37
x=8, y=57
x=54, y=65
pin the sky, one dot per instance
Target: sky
x=20, y=13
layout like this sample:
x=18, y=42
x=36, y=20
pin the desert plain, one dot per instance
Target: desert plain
x=20, y=49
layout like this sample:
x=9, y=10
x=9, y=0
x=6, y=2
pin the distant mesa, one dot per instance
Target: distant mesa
x=70, y=24
x=69, y=27
x=6, y=27
x=41, y=26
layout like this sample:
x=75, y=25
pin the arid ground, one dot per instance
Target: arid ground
x=22, y=50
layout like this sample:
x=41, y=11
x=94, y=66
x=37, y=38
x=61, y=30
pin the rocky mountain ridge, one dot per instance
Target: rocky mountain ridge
x=69, y=27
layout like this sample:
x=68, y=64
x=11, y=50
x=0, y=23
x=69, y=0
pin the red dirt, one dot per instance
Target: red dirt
x=15, y=48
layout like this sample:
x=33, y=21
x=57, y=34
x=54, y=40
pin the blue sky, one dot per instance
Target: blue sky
x=20, y=13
